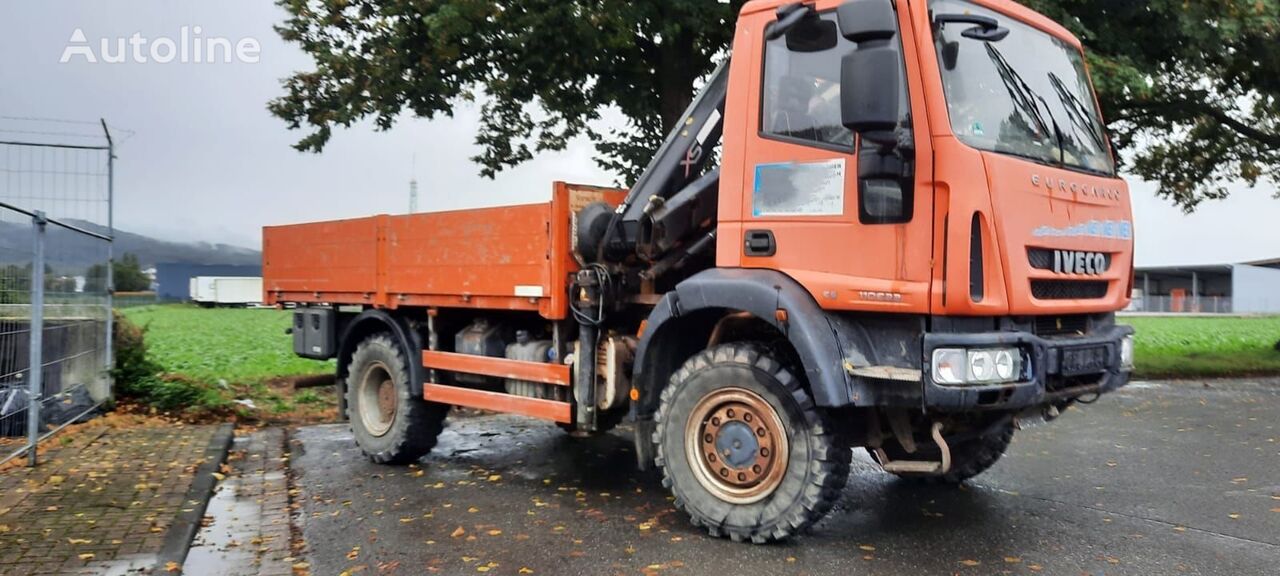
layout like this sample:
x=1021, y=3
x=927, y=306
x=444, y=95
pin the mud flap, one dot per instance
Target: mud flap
x=645, y=450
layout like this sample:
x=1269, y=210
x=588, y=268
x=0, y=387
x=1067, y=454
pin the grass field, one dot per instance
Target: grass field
x=1172, y=347
x=247, y=349
x=235, y=344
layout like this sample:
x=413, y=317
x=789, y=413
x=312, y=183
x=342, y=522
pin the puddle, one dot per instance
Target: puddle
x=224, y=547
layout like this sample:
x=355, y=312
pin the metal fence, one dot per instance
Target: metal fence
x=55, y=289
x=1164, y=304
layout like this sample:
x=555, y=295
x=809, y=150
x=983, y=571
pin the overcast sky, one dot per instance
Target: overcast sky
x=207, y=162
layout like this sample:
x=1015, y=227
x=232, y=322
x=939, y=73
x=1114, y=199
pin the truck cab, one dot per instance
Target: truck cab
x=890, y=225
x=972, y=193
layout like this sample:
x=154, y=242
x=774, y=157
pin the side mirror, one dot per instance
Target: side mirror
x=869, y=76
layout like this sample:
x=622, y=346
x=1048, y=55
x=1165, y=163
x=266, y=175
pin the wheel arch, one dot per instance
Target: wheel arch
x=374, y=321
x=683, y=322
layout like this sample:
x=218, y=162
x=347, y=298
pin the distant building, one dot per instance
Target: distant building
x=1246, y=288
x=173, y=279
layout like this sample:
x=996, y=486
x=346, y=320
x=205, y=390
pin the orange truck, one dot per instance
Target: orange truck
x=893, y=225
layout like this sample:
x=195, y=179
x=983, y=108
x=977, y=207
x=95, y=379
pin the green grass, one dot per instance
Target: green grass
x=1173, y=347
x=240, y=346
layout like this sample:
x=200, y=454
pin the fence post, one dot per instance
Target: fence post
x=35, y=369
x=111, y=232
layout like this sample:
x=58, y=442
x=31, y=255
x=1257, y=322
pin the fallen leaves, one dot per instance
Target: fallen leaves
x=458, y=532
x=970, y=563
x=172, y=566
x=1234, y=516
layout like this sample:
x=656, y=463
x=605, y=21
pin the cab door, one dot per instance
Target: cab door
x=813, y=205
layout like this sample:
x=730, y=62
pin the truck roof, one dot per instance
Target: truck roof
x=1009, y=7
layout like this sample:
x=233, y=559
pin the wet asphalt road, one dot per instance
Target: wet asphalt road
x=1155, y=479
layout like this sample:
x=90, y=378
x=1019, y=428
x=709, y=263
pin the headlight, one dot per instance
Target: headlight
x=985, y=366
x=1126, y=353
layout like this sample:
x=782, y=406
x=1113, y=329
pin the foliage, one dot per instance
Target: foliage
x=128, y=276
x=1180, y=347
x=213, y=361
x=544, y=69
x=1188, y=86
x=95, y=281
x=140, y=378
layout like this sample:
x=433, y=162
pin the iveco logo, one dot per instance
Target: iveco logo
x=1075, y=187
x=1068, y=262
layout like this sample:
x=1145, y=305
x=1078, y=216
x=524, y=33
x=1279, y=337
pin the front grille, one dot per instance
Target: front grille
x=1071, y=325
x=1068, y=289
x=1042, y=259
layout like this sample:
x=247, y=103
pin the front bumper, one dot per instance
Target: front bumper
x=1047, y=382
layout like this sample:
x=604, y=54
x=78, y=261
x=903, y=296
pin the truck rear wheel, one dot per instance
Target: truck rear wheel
x=969, y=458
x=743, y=448
x=391, y=425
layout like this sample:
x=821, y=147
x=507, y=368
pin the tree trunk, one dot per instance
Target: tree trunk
x=676, y=76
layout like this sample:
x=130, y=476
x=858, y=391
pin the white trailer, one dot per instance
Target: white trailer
x=226, y=291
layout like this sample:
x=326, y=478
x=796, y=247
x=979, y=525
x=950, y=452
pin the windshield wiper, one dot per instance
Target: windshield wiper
x=1078, y=112
x=1026, y=98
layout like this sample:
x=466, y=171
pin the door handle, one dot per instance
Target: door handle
x=760, y=243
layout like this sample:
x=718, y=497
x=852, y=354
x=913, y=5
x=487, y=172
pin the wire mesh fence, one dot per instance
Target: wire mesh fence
x=55, y=296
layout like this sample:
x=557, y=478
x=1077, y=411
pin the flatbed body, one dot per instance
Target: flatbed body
x=502, y=258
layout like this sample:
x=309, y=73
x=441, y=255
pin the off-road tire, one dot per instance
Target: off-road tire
x=416, y=423
x=817, y=464
x=968, y=458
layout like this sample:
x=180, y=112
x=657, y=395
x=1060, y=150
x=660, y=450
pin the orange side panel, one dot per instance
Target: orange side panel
x=497, y=367
x=511, y=257
x=336, y=258
x=498, y=402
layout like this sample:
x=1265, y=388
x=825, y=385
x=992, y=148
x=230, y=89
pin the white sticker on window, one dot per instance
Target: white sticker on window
x=799, y=189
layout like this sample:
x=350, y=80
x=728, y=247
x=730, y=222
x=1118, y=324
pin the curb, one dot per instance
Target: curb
x=177, y=542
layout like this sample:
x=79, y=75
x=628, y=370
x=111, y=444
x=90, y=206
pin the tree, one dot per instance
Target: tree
x=128, y=276
x=545, y=70
x=1188, y=86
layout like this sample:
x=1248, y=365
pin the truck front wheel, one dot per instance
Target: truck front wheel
x=743, y=448
x=390, y=424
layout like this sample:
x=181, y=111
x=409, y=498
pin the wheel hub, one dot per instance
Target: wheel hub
x=737, y=445
x=378, y=399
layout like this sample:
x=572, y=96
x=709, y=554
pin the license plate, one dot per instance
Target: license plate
x=1090, y=360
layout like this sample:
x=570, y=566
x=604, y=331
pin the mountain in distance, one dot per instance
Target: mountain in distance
x=67, y=249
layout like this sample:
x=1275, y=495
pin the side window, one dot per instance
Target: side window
x=802, y=89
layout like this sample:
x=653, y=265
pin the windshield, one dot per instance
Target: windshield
x=1025, y=95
